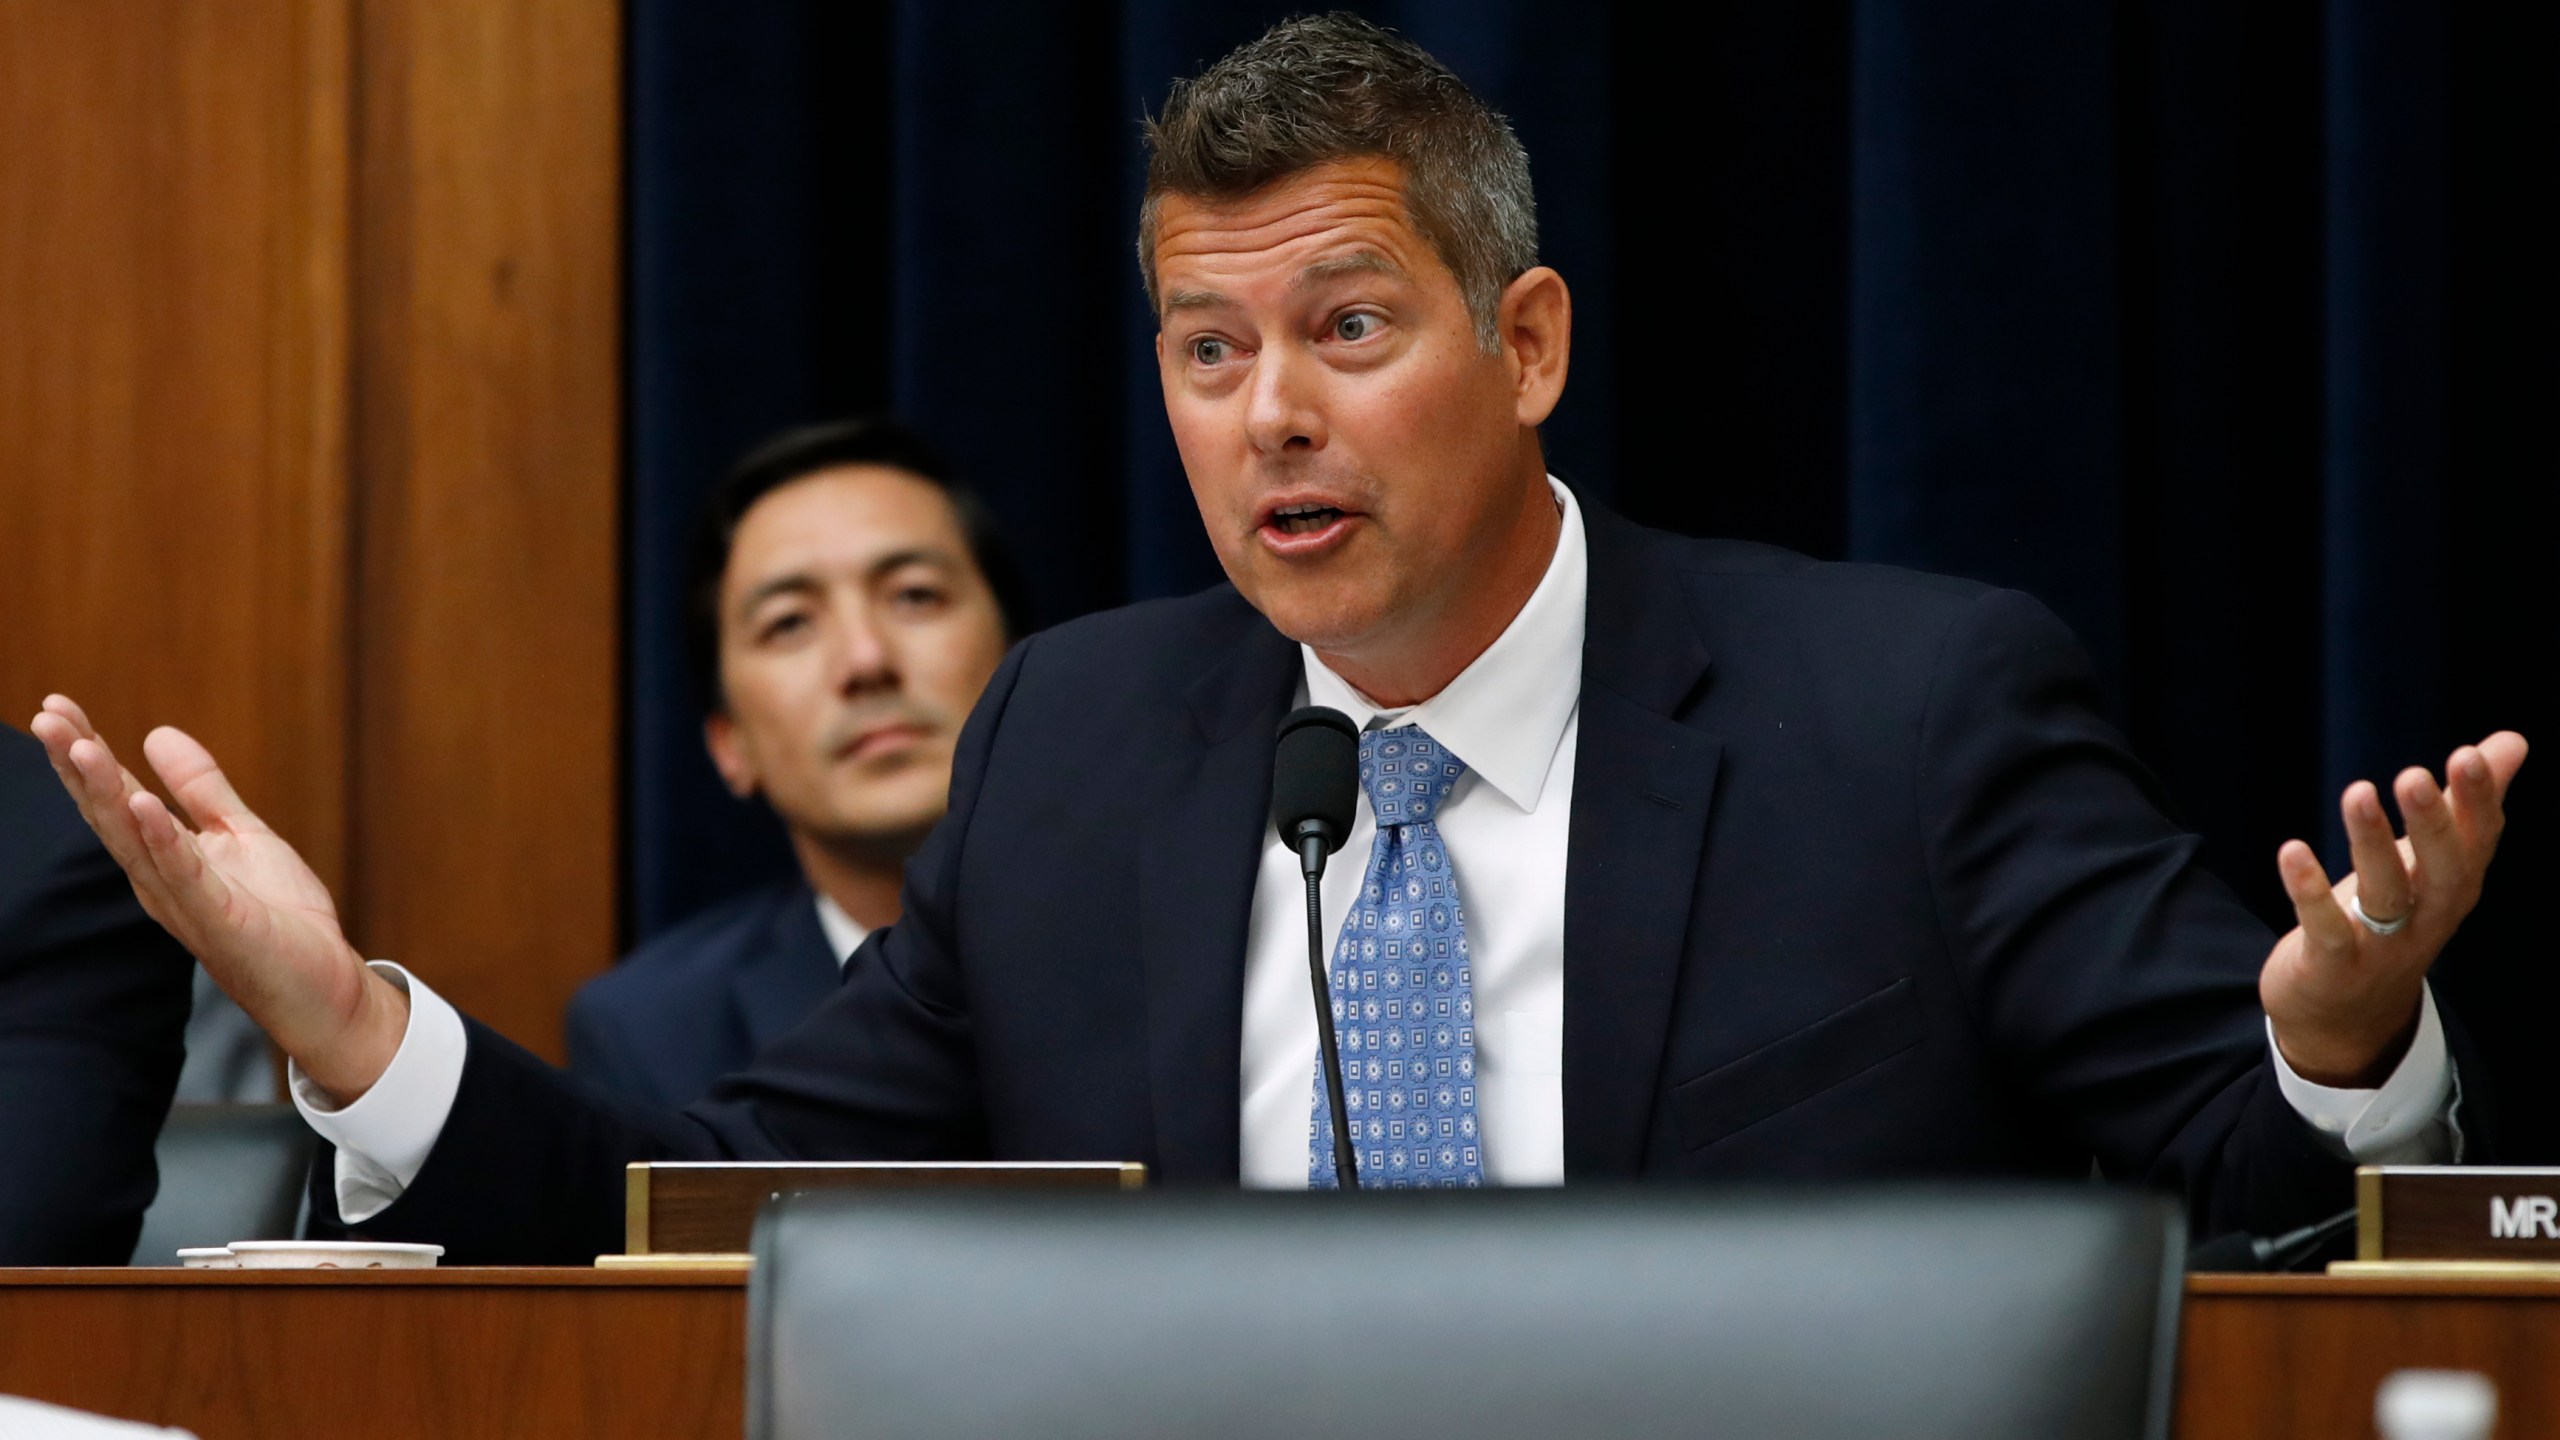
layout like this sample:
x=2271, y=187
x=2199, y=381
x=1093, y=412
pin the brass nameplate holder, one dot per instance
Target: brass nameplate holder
x=2456, y=1221
x=701, y=1214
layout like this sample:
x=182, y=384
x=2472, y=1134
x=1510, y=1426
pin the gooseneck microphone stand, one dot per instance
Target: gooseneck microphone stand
x=2245, y=1252
x=1315, y=785
x=1346, y=1169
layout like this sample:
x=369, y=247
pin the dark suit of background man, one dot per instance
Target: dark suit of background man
x=93, y=1011
x=1763, y=868
x=846, y=604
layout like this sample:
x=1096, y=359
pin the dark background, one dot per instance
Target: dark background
x=2228, y=331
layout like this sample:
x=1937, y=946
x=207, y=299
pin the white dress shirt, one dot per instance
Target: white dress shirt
x=1513, y=716
x=844, y=933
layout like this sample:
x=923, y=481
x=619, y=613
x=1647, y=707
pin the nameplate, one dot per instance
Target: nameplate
x=2457, y=1212
x=708, y=1207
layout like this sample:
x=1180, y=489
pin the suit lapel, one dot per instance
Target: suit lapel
x=788, y=969
x=1198, y=855
x=1642, y=786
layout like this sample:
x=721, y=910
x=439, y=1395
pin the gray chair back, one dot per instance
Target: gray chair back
x=227, y=1172
x=1924, y=1315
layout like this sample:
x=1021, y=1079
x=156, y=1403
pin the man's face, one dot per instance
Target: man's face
x=1353, y=448
x=855, y=634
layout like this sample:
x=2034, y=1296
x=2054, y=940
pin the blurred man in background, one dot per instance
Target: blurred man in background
x=846, y=603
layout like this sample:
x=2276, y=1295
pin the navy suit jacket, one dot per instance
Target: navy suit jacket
x=700, y=1000
x=1859, y=886
x=93, y=1017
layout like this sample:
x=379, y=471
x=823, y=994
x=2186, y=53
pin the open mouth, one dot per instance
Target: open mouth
x=1303, y=519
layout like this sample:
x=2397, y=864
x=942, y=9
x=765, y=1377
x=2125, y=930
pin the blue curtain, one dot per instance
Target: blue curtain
x=2226, y=330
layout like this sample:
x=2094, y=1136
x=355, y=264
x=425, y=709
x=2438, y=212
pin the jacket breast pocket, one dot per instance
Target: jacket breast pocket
x=1793, y=1069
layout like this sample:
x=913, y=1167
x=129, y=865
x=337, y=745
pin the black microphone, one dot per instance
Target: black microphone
x=1315, y=790
x=2242, y=1251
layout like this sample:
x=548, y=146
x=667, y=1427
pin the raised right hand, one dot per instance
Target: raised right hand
x=237, y=896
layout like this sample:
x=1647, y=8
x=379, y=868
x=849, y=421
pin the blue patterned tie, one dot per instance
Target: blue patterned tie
x=1404, y=1008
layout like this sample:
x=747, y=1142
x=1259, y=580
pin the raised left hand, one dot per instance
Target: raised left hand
x=2344, y=999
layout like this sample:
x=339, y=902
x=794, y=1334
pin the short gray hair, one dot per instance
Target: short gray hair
x=1333, y=87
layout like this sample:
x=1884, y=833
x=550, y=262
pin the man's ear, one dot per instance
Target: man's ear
x=1536, y=324
x=729, y=754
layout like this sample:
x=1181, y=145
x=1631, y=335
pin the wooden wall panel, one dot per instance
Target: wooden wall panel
x=173, y=383
x=487, y=359
x=309, y=358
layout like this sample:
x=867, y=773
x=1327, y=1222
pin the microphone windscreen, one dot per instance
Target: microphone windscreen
x=1315, y=774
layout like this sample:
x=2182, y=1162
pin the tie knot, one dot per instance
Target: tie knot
x=1407, y=774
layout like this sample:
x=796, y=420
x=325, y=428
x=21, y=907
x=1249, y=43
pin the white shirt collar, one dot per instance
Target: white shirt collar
x=844, y=933
x=1505, y=713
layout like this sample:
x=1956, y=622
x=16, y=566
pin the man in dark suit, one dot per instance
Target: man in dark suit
x=1675, y=860
x=700, y=1000
x=846, y=602
x=93, y=1014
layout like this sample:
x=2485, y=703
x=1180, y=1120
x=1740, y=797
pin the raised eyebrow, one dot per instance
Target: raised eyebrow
x=1364, y=262
x=1181, y=300
x=1358, y=262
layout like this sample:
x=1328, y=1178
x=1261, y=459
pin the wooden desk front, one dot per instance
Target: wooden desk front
x=465, y=1353
x=2272, y=1357
x=389, y=1355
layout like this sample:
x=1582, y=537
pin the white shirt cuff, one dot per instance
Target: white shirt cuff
x=383, y=1137
x=2408, y=1121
